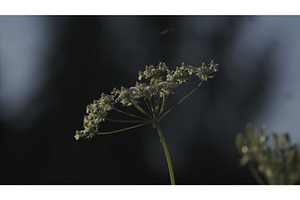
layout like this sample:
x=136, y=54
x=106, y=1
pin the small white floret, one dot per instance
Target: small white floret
x=77, y=137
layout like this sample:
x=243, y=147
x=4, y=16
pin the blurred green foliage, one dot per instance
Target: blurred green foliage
x=278, y=164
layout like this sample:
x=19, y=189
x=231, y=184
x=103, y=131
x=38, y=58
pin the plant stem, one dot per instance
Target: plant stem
x=125, y=121
x=167, y=154
x=156, y=104
x=181, y=100
x=129, y=114
x=151, y=106
x=256, y=175
x=148, y=106
x=162, y=105
x=141, y=110
x=123, y=129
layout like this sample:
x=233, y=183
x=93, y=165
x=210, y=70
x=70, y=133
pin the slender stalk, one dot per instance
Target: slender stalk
x=141, y=110
x=123, y=129
x=162, y=104
x=125, y=121
x=148, y=106
x=167, y=154
x=129, y=114
x=256, y=175
x=151, y=105
x=191, y=92
x=181, y=100
x=156, y=104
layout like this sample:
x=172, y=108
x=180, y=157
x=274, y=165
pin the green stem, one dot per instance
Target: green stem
x=156, y=104
x=191, y=92
x=148, y=106
x=125, y=121
x=256, y=175
x=124, y=129
x=141, y=110
x=129, y=114
x=151, y=105
x=162, y=105
x=167, y=154
x=181, y=100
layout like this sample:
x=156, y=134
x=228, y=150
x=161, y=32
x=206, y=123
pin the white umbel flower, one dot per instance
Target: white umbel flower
x=157, y=83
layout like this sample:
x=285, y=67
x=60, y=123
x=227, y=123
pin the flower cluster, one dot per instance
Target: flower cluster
x=277, y=164
x=97, y=111
x=155, y=81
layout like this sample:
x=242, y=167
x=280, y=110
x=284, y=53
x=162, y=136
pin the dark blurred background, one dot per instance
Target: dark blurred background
x=51, y=67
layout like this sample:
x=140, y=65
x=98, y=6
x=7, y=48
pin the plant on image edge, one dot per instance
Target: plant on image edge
x=277, y=165
x=150, y=97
